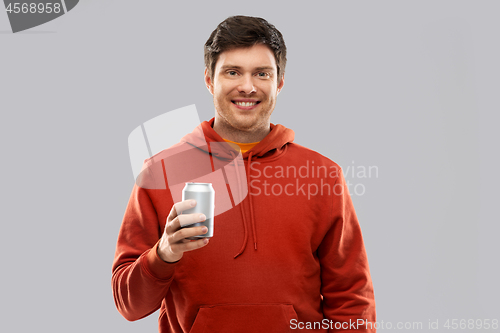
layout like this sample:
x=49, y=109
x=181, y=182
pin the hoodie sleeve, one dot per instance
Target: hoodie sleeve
x=140, y=278
x=346, y=283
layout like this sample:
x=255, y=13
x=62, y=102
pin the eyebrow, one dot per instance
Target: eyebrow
x=239, y=67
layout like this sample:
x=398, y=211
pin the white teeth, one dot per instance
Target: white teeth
x=245, y=103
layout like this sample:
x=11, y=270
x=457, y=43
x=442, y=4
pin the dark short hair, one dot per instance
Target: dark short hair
x=244, y=31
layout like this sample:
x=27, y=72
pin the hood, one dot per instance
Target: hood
x=271, y=147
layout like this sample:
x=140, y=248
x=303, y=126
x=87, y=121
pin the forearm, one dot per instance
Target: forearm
x=139, y=286
x=352, y=309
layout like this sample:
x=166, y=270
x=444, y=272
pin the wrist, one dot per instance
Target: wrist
x=158, y=267
x=163, y=257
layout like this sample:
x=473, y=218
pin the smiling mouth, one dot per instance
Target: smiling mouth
x=245, y=103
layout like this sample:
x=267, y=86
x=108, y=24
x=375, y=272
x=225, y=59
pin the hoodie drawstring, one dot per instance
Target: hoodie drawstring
x=251, y=202
x=245, y=237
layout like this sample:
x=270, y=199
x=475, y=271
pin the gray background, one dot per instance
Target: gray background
x=408, y=86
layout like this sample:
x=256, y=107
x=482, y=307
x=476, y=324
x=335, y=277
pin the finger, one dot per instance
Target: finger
x=184, y=233
x=187, y=219
x=182, y=220
x=189, y=246
x=179, y=207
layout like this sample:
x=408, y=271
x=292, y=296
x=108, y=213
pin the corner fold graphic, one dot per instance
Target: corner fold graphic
x=26, y=15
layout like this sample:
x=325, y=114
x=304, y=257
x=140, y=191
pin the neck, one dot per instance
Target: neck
x=242, y=136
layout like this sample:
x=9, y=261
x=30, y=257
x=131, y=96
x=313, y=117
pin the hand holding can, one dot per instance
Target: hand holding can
x=175, y=239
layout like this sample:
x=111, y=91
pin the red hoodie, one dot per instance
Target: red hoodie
x=289, y=256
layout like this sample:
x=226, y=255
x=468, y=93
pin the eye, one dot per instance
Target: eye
x=231, y=73
x=264, y=74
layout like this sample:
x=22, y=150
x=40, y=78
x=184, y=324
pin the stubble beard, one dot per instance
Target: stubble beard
x=235, y=123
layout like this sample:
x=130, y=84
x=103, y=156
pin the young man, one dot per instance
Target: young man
x=306, y=267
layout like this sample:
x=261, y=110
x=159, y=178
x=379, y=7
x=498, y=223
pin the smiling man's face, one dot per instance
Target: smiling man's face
x=245, y=88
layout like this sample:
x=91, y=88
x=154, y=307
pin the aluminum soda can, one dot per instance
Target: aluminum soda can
x=204, y=195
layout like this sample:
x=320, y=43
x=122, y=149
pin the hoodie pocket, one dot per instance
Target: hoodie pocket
x=242, y=318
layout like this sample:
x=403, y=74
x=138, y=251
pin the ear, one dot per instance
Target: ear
x=282, y=83
x=208, y=82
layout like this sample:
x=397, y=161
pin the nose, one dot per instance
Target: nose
x=246, y=85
